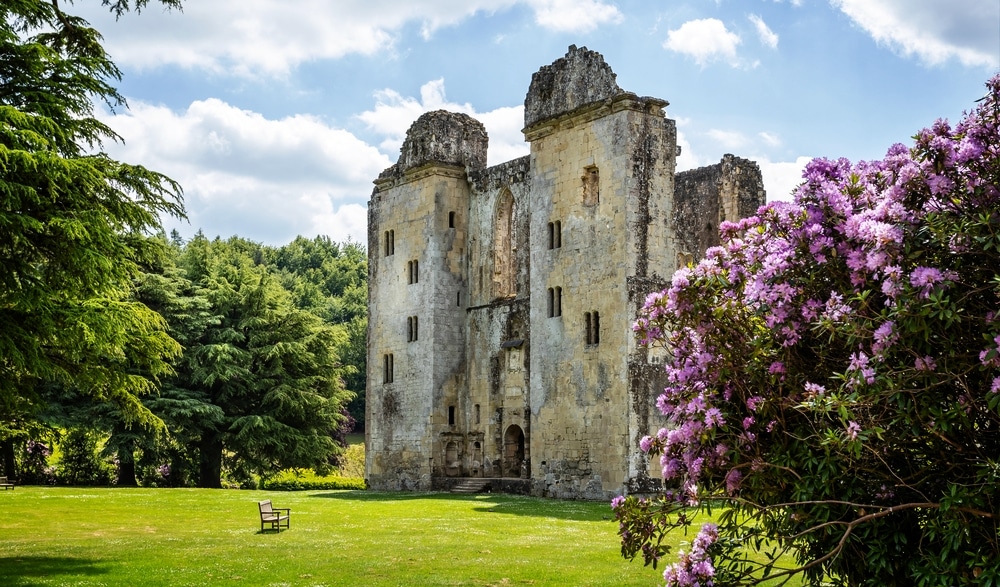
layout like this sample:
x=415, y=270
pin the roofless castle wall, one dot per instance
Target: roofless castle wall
x=501, y=298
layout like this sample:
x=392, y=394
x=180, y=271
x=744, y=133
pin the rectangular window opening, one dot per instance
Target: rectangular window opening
x=412, y=329
x=390, y=242
x=451, y=220
x=591, y=186
x=387, y=367
x=451, y=415
x=593, y=326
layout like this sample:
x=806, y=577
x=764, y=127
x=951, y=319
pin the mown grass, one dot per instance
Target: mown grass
x=117, y=536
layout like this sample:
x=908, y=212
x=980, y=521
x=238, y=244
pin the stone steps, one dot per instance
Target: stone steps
x=468, y=486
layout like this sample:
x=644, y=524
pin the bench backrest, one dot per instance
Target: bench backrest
x=265, y=507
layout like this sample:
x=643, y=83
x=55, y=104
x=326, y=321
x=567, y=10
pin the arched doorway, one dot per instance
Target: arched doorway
x=514, y=464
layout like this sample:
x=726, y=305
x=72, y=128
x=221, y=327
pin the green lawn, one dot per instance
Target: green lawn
x=100, y=536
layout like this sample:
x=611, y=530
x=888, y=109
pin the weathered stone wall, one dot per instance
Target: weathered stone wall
x=729, y=190
x=531, y=275
x=579, y=78
x=498, y=323
x=442, y=137
x=416, y=314
x=622, y=150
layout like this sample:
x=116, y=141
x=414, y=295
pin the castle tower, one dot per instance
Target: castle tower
x=603, y=165
x=417, y=293
x=501, y=299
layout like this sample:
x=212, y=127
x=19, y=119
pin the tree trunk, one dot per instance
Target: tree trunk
x=7, y=454
x=210, y=463
x=126, y=466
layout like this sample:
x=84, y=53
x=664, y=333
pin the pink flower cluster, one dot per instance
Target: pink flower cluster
x=694, y=569
x=834, y=261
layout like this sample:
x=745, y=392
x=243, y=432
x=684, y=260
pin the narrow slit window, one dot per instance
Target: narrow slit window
x=451, y=220
x=387, y=368
x=555, y=234
x=390, y=242
x=412, y=330
x=451, y=415
x=558, y=300
x=413, y=271
x=458, y=298
x=592, y=322
x=476, y=413
x=591, y=186
x=552, y=302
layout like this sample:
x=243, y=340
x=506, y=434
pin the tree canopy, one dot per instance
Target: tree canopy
x=260, y=379
x=73, y=221
x=175, y=356
x=834, y=378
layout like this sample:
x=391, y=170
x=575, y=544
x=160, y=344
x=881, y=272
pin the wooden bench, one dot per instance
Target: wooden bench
x=6, y=484
x=273, y=516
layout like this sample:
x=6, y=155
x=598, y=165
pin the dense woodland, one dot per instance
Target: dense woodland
x=143, y=358
x=270, y=374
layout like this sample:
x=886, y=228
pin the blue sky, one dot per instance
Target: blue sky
x=276, y=116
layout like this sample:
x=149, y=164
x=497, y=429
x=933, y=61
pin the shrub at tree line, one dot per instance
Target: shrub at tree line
x=834, y=378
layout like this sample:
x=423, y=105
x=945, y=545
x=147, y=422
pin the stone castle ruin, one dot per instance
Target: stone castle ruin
x=501, y=299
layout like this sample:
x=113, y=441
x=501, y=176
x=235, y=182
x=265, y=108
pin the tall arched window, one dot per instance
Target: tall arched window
x=504, y=260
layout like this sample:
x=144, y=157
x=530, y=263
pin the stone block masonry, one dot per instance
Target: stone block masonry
x=529, y=275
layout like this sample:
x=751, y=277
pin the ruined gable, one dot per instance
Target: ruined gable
x=580, y=78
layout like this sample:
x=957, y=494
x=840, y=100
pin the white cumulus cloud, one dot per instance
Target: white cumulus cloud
x=245, y=174
x=781, y=177
x=270, y=37
x=770, y=139
x=935, y=31
x=394, y=113
x=764, y=32
x=704, y=40
x=579, y=16
x=728, y=139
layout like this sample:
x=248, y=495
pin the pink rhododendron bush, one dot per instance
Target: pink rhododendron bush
x=834, y=379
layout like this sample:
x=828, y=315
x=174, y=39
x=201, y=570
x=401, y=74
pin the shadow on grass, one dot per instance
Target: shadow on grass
x=492, y=503
x=21, y=571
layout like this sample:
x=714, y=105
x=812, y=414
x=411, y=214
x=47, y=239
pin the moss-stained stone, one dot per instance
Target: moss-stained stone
x=530, y=276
